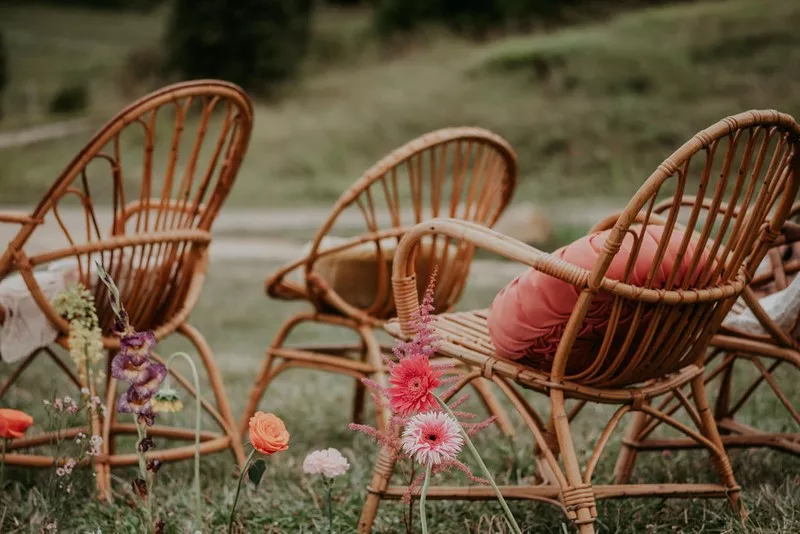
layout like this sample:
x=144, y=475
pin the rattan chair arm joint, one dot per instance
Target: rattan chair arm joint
x=19, y=218
x=579, y=497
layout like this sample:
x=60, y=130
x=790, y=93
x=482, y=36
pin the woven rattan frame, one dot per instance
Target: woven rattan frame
x=480, y=169
x=678, y=320
x=729, y=348
x=159, y=231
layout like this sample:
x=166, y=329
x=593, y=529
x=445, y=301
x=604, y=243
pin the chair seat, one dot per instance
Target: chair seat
x=464, y=336
x=354, y=273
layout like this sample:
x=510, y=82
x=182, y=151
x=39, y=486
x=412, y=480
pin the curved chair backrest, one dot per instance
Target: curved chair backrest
x=140, y=198
x=743, y=173
x=466, y=173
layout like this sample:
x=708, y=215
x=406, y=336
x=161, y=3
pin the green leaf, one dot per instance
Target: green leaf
x=256, y=471
x=104, y=277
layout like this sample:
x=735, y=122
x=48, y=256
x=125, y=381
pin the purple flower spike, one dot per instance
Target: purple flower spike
x=124, y=368
x=132, y=402
x=133, y=362
x=148, y=386
x=148, y=417
x=137, y=346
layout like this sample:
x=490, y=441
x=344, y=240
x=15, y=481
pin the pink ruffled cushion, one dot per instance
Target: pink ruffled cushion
x=528, y=316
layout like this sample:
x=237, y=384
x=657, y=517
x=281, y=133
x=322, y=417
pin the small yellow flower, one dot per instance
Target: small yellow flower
x=166, y=400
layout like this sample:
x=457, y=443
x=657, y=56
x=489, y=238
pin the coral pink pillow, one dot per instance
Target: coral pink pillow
x=528, y=316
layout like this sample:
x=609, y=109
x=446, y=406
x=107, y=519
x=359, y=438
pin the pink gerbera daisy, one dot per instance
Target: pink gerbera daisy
x=432, y=438
x=413, y=380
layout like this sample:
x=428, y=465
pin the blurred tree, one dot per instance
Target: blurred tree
x=143, y=5
x=254, y=43
x=70, y=98
x=3, y=72
x=475, y=18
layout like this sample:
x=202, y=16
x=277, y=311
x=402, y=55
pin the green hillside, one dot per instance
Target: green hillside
x=590, y=109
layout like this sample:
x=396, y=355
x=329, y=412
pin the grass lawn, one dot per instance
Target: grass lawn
x=591, y=110
x=239, y=321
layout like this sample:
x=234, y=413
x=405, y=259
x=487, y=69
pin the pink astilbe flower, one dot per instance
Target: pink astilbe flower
x=432, y=437
x=413, y=381
x=424, y=341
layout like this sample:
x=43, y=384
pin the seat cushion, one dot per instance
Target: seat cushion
x=529, y=315
x=355, y=272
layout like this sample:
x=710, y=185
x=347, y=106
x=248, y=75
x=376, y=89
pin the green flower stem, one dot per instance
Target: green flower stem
x=422, y=518
x=238, y=489
x=148, y=505
x=87, y=399
x=329, y=486
x=509, y=517
x=198, y=503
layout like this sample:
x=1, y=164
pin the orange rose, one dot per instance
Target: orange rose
x=268, y=433
x=13, y=423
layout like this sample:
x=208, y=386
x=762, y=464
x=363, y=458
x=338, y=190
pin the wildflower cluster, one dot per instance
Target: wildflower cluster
x=66, y=469
x=66, y=404
x=60, y=413
x=93, y=443
x=76, y=304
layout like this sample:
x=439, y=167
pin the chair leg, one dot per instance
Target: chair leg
x=719, y=457
x=375, y=358
x=360, y=393
x=628, y=452
x=265, y=375
x=215, y=379
x=381, y=476
x=493, y=406
x=257, y=392
x=578, y=497
x=722, y=407
x=103, y=468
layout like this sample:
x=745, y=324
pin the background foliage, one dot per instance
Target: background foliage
x=254, y=43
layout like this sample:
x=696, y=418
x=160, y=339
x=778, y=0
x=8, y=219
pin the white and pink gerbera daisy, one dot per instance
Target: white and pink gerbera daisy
x=432, y=437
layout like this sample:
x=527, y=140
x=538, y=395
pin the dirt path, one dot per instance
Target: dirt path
x=44, y=132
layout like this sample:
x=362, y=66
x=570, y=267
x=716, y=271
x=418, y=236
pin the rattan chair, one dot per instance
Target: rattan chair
x=467, y=173
x=146, y=190
x=732, y=349
x=751, y=162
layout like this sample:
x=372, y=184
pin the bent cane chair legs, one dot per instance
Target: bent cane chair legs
x=368, y=363
x=729, y=403
x=571, y=488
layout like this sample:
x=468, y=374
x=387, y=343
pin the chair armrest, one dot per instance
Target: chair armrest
x=17, y=218
x=609, y=222
x=404, y=279
x=276, y=285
